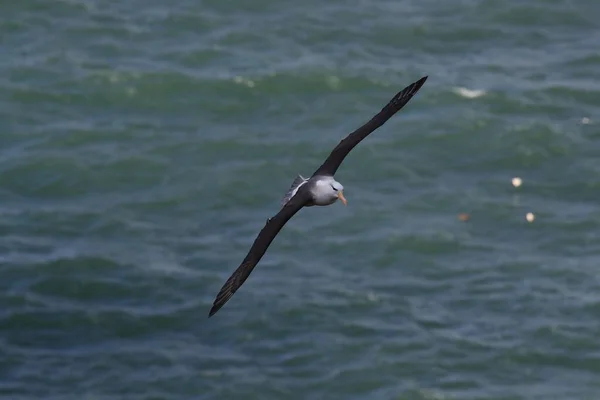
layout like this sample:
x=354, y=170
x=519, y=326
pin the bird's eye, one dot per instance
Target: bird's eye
x=334, y=188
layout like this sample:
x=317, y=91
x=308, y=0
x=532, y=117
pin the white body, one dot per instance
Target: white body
x=324, y=190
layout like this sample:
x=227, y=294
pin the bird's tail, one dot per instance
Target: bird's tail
x=299, y=181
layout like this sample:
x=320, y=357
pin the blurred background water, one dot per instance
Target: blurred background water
x=143, y=143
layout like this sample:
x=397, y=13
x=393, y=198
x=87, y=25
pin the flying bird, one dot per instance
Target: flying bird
x=321, y=189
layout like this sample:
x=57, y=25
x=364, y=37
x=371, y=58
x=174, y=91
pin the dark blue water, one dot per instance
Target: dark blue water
x=143, y=144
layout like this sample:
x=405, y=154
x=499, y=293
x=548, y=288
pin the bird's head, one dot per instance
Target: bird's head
x=338, y=191
x=327, y=191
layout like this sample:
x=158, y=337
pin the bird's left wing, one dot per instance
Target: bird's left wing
x=332, y=163
x=258, y=249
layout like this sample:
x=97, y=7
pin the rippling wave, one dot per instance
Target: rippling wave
x=143, y=145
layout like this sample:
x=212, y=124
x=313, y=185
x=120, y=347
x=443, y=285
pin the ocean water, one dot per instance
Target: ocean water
x=143, y=144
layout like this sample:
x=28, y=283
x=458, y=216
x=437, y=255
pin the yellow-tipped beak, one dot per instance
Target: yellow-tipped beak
x=342, y=198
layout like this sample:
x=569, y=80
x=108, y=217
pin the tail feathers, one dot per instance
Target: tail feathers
x=299, y=181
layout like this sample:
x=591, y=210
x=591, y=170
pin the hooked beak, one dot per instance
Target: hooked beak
x=342, y=198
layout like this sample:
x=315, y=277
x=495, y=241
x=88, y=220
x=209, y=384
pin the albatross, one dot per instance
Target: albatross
x=321, y=189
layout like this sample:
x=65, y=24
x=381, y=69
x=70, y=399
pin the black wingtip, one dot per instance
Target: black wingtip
x=226, y=292
x=222, y=298
x=404, y=96
x=212, y=311
x=420, y=82
x=219, y=302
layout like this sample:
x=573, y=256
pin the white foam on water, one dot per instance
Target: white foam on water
x=469, y=93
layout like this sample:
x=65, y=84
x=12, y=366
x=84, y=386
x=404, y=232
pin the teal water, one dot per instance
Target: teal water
x=144, y=143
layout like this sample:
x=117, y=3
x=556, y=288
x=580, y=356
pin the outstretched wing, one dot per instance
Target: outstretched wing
x=332, y=163
x=258, y=249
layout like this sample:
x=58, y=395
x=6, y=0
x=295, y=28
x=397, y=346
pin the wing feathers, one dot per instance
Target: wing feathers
x=332, y=163
x=294, y=202
x=258, y=249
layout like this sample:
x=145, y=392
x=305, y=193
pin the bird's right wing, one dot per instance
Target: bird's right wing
x=258, y=249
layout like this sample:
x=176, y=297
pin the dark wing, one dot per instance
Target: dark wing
x=258, y=249
x=332, y=163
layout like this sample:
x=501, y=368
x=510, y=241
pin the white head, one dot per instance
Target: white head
x=328, y=191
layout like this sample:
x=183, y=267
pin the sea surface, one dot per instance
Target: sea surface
x=144, y=143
